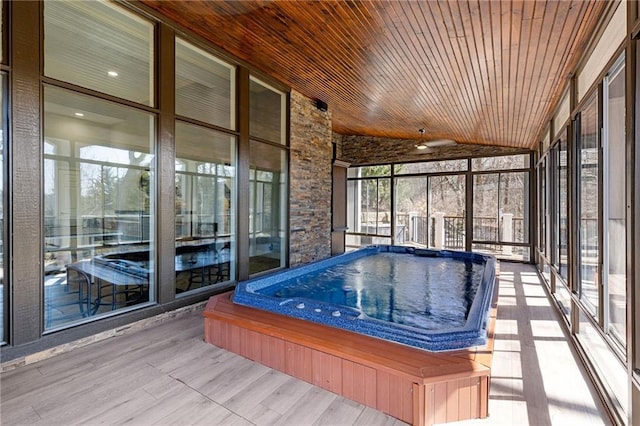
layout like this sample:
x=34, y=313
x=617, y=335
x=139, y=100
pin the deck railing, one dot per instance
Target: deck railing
x=421, y=230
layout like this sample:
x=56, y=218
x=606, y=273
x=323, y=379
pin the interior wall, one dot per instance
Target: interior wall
x=562, y=114
x=611, y=39
x=544, y=139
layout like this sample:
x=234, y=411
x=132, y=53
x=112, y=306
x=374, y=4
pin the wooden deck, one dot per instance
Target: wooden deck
x=166, y=374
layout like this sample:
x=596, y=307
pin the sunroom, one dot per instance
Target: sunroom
x=158, y=153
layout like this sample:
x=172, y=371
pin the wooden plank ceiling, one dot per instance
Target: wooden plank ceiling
x=484, y=72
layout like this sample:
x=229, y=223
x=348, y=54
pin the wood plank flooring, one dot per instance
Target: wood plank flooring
x=536, y=378
x=166, y=374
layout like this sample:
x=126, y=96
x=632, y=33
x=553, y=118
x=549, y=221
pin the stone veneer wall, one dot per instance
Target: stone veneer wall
x=364, y=150
x=310, y=181
x=311, y=164
x=336, y=139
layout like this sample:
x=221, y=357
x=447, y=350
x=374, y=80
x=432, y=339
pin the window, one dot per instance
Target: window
x=500, y=163
x=99, y=203
x=268, y=196
x=371, y=171
x=205, y=86
x=501, y=214
x=599, y=317
x=100, y=46
x=589, y=205
x=2, y=32
x=430, y=211
x=542, y=175
x=99, y=162
x=431, y=167
x=430, y=205
x=561, y=218
x=99, y=127
x=447, y=207
x=411, y=210
x=205, y=197
x=376, y=206
x=369, y=205
x=268, y=208
x=205, y=178
x=614, y=250
x=267, y=112
x=501, y=206
x=612, y=372
x=3, y=197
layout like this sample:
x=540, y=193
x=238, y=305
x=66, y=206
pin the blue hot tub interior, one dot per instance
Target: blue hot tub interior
x=431, y=299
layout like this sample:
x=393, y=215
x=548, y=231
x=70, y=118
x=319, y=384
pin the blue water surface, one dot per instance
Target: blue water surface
x=427, y=292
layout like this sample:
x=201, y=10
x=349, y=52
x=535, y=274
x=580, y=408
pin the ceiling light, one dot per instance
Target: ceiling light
x=79, y=114
x=440, y=142
x=112, y=73
x=421, y=147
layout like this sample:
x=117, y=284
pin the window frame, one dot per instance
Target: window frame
x=393, y=175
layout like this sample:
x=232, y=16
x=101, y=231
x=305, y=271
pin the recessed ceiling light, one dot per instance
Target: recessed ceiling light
x=421, y=147
x=112, y=73
x=440, y=142
x=79, y=114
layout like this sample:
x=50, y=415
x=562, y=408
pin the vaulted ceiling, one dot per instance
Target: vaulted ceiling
x=485, y=72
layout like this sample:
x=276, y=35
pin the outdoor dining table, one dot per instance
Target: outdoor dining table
x=129, y=277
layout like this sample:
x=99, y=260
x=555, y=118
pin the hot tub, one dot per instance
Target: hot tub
x=436, y=300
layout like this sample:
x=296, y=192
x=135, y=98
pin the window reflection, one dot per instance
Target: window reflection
x=205, y=86
x=98, y=207
x=267, y=112
x=268, y=208
x=615, y=205
x=589, y=205
x=100, y=46
x=562, y=218
x=542, y=173
x=205, y=194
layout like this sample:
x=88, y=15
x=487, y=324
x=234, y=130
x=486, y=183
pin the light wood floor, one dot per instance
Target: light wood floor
x=166, y=374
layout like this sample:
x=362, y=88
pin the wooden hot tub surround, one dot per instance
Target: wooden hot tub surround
x=413, y=385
